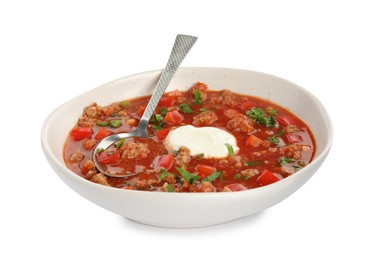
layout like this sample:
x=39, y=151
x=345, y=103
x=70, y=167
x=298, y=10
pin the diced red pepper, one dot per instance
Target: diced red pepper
x=109, y=157
x=166, y=161
x=267, y=177
x=173, y=117
x=247, y=105
x=80, y=133
x=166, y=101
x=292, y=138
x=102, y=133
x=140, y=110
x=252, y=141
x=235, y=187
x=286, y=120
x=162, y=133
x=204, y=170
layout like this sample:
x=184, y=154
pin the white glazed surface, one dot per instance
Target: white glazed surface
x=189, y=209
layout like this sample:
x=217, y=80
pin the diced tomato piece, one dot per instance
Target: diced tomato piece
x=252, y=141
x=267, y=177
x=247, y=105
x=80, y=133
x=234, y=187
x=140, y=110
x=204, y=170
x=173, y=117
x=292, y=138
x=162, y=133
x=166, y=101
x=109, y=157
x=102, y=133
x=286, y=120
x=166, y=161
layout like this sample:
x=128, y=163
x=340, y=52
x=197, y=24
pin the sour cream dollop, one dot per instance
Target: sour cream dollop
x=209, y=141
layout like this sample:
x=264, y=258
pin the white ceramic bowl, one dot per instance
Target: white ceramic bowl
x=189, y=209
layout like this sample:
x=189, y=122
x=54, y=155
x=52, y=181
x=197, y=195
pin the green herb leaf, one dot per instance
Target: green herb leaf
x=114, y=114
x=189, y=177
x=102, y=123
x=185, y=108
x=257, y=114
x=283, y=160
x=115, y=123
x=170, y=188
x=212, y=177
x=157, y=118
x=198, y=99
x=119, y=143
x=163, y=111
x=230, y=149
x=100, y=150
x=125, y=104
x=163, y=174
x=253, y=163
x=274, y=139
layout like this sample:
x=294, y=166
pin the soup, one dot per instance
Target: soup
x=200, y=141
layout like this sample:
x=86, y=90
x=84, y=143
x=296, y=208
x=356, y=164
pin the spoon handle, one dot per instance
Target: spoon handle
x=182, y=45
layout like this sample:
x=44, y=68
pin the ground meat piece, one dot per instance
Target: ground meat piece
x=112, y=109
x=293, y=151
x=89, y=144
x=203, y=187
x=139, y=168
x=145, y=184
x=100, y=178
x=93, y=111
x=241, y=123
x=204, y=118
x=76, y=157
x=89, y=169
x=291, y=129
x=202, y=88
x=250, y=172
x=85, y=121
x=170, y=178
x=227, y=97
x=235, y=161
x=265, y=143
x=183, y=157
x=230, y=113
x=132, y=150
x=177, y=95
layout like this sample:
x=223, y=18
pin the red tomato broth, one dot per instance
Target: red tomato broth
x=243, y=168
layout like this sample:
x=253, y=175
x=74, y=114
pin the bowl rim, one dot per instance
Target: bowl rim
x=55, y=161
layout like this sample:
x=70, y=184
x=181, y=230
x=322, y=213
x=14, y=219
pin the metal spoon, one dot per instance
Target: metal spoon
x=182, y=45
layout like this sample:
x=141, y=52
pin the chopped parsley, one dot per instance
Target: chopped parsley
x=102, y=123
x=119, y=143
x=125, y=104
x=163, y=174
x=230, y=149
x=258, y=115
x=170, y=188
x=100, y=150
x=283, y=160
x=197, y=96
x=115, y=123
x=253, y=163
x=185, y=108
x=212, y=177
x=189, y=177
x=163, y=111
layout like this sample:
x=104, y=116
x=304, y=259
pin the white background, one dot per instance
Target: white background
x=52, y=51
